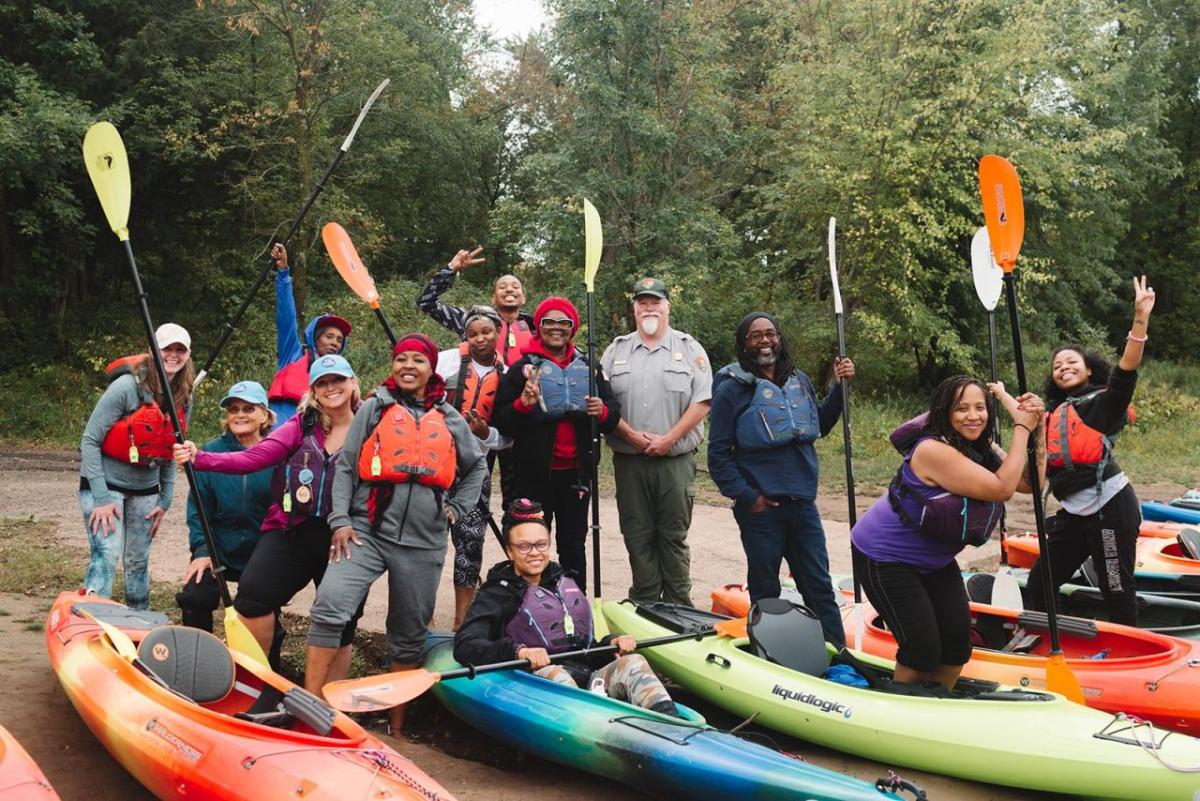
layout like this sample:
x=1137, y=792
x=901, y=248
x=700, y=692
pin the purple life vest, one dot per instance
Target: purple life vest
x=303, y=484
x=558, y=619
x=942, y=517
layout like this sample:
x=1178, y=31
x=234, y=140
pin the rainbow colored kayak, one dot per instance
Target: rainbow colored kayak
x=20, y=777
x=661, y=755
x=180, y=748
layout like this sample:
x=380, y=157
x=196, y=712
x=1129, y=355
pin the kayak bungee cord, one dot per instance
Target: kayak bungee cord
x=378, y=758
x=1153, y=685
x=1152, y=748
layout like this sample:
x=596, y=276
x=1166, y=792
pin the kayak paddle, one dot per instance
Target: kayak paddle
x=374, y=693
x=119, y=639
x=345, y=258
x=859, y=621
x=1004, y=211
x=108, y=166
x=593, y=234
x=266, y=270
x=989, y=285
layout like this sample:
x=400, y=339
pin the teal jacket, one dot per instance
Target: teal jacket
x=236, y=506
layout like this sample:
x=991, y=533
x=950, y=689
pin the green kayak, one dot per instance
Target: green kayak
x=1033, y=740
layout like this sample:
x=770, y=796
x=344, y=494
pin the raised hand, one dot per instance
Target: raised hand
x=466, y=258
x=532, y=392
x=1143, y=300
x=279, y=256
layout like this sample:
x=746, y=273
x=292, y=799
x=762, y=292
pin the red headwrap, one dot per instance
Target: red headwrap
x=435, y=390
x=557, y=304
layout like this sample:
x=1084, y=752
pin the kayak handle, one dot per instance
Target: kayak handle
x=719, y=661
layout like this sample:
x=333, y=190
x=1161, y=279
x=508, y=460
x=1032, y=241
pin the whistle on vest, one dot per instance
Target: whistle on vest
x=568, y=623
x=287, y=501
x=133, y=454
x=376, y=466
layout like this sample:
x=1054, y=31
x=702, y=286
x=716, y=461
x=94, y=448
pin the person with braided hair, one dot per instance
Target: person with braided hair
x=530, y=609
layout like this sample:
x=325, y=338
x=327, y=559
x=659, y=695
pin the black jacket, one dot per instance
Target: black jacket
x=1105, y=412
x=481, y=639
x=533, y=437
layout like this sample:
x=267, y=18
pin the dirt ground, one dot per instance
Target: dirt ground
x=43, y=484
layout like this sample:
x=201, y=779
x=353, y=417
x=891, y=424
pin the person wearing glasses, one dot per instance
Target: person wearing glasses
x=529, y=608
x=542, y=403
x=765, y=419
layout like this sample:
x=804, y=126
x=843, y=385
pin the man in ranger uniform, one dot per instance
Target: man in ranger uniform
x=663, y=382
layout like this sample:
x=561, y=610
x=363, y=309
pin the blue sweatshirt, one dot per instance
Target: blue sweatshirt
x=236, y=506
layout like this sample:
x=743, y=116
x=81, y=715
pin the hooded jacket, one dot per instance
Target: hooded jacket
x=236, y=506
x=291, y=351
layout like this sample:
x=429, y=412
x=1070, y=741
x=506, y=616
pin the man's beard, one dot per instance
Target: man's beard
x=765, y=359
x=649, y=326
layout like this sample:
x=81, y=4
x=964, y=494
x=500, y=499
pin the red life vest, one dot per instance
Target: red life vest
x=145, y=435
x=291, y=382
x=1072, y=443
x=472, y=392
x=513, y=339
x=403, y=448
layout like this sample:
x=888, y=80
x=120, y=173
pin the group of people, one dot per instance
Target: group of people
x=316, y=481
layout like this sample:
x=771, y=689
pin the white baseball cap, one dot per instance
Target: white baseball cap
x=170, y=333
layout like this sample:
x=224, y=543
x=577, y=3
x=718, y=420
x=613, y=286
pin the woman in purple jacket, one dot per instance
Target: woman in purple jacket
x=295, y=544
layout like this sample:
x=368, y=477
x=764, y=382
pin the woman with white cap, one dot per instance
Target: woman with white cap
x=236, y=505
x=126, y=472
x=294, y=547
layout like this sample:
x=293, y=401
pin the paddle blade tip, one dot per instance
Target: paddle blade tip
x=593, y=233
x=376, y=693
x=108, y=166
x=1061, y=679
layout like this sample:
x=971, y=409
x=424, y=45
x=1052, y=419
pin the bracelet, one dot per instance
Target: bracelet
x=1134, y=337
x=1022, y=425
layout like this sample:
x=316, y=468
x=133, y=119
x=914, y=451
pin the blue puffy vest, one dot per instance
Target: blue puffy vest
x=564, y=391
x=777, y=415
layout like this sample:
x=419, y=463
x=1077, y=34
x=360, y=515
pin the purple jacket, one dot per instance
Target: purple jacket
x=274, y=450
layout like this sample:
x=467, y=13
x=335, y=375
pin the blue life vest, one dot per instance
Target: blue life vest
x=777, y=415
x=558, y=619
x=564, y=391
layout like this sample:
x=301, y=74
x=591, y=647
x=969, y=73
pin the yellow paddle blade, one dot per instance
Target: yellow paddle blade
x=593, y=234
x=374, y=693
x=1003, y=209
x=345, y=258
x=239, y=638
x=1060, y=679
x=119, y=639
x=108, y=167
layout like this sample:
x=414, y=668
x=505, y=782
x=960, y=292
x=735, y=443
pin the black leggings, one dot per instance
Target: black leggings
x=568, y=513
x=928, y=613
x=282, y=564
x=1110, y=537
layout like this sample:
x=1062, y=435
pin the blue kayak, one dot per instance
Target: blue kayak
x=660, y=755
x=1170, y=513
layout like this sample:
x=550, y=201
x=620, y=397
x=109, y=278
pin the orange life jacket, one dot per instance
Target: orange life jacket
x=291, y=382
x=144, y=435
x=403, y=448
x=513, y=339
x=470, y=391
x=1072, y=443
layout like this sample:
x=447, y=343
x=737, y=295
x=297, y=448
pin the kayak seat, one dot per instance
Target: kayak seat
x=1022, y=642
x=979, y=587
x=1189, y=542
x=191, y=662
x=788, y=635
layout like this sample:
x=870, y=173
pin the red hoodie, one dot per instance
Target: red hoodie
x=566, y=454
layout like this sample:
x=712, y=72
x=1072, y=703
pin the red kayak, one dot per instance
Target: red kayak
x=20, y=777
x=191, y=719
x=1121, y=669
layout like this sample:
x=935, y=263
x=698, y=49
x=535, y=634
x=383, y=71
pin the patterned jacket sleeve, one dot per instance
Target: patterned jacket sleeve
x=430, y=301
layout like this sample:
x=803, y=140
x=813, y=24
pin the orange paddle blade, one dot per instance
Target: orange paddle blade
x=1060, y=679
x=374, y=693
x=345, y=258
x=735, y=628
x=1003, y=209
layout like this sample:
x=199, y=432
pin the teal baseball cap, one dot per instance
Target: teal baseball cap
x=329, y=365
x=249, y=391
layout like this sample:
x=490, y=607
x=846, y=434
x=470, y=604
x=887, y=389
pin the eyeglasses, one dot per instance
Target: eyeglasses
x=555, y=322
x=523, y=548
x=761, y=336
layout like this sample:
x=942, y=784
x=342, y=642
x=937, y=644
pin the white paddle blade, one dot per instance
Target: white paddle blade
x=593, y=234
x=108, y=167
x=362, y=114
x=989, y=278
x=1006, y=593
x=833, y=273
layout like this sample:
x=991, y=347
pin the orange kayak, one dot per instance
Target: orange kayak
x=20, y=777
x=1121, y=669
x=181, y=749
x=1155, y=554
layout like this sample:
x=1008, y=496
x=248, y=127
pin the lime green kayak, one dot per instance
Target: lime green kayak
x=1034, y=740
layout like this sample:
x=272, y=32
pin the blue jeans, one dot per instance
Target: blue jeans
x=129, y=541
x=793, y=531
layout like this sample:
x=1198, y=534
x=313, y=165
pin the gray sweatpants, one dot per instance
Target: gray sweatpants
x=413, y=576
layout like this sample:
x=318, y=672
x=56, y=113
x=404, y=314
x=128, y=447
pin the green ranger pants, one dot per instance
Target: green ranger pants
x=654, y=503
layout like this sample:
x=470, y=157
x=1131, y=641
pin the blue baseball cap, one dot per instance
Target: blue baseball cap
x=249, y=391
x=329, y=365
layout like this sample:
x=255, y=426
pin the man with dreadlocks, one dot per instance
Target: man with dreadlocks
x=765, y=418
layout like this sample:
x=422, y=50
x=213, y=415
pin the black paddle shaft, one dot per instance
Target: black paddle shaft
x=1039, y=514
x=169, y=401
x=387, y=326
x=594, y=478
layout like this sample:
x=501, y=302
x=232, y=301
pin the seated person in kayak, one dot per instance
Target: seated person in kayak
x=948, y=493
x=529, y=608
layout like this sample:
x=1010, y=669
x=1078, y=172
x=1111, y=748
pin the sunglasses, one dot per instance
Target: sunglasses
x=555, y=322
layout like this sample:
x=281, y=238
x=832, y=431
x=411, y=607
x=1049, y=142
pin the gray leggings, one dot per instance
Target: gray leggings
x=413, y=576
